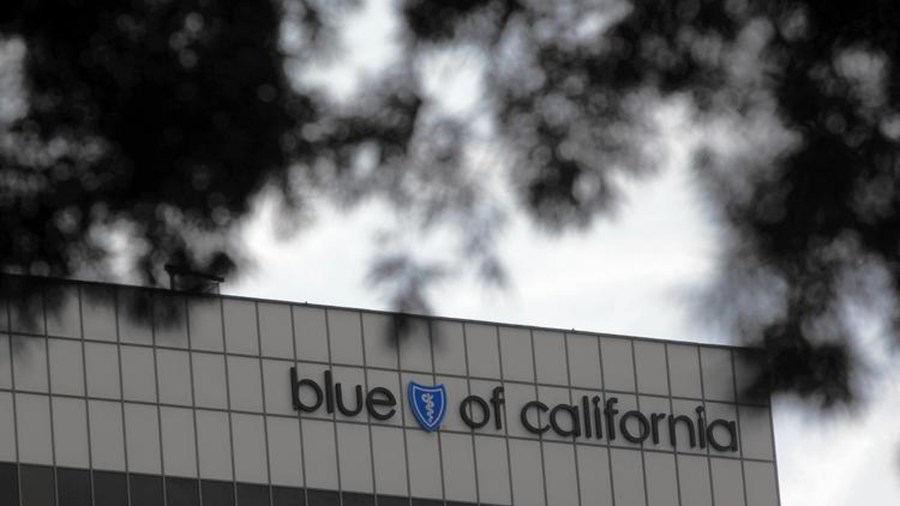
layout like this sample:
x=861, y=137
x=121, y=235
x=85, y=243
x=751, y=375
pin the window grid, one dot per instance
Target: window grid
x=406, y=425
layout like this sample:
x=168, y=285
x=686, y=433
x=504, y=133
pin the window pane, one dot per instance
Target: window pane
x=110, y=489
x=351, y=499
x=386, y=500
x=287, y=496
x=146, y=490
x=323, y=498
x=9, y=484
x=182, y=492
x=252, y=495
x=37, y=486
x=74, y=487
x=217, y=493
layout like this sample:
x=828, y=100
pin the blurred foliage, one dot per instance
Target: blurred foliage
x=160, y=122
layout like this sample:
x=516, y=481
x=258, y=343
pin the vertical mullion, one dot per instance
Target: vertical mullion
x=637, y=400
x=122, y=398
x=712, y=494
x=612, y=481
x=537, y=395
x=337, y=443
x=15, y=393
x=737, y=410
x=469, y=392
x=505, y=425
x=190, y=354
x=162, y=460
x=571, y=401
x=265, y=417
x=228, y=396
x=438, y=432
x=299, y=417
x=672, y=413
x=395, y=328
x=362, y=338
x=50, y=392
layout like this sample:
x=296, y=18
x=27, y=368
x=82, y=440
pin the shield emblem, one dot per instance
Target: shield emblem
x=428, y=404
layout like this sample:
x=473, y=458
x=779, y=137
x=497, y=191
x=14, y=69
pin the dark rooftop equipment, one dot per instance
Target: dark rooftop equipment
x=186, y=280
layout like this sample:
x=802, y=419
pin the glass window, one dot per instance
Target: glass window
x=278, y=388
x=74, y=487
x=146, y=490
x=618, y=365
x=378, y=337
x=693, y=476
x=31, y=363
x=206, y=324
x=345, y=333
x=5, y=361
x=650, y=360
x=37, y=486
x=390, y=460
x=174, y=375
x=142, y=436
x=33, y=413
x=240, y=326
x=595, y=476
x=102, y=367
x=584, y=360
x=449, y=347
x=415, y=346
x=288, y=496
x=354, y=499
x=182, y=492
x=550, y=357
x=209, y=380
x=135, y=315
x=515, y=348
x=98, y=308
x=217, y=493
x=459, y=466
x=7, y=426
x=354, y=459
x=684, y=370
x=275, y=330
x=323, y=498
x=63, y=317
x=386, y=500
x=284, y=451
x=66, y=367
x=70, y=432
x=138, y=376
x=628, y=476
x=110, y=489
x=493, y=474
x=9, y=484
x=481, y=347
x=310, y=334
x=170, y=320
x=179, y=450
x=249, y=448
x=107, y=445
x=214, y=444
x=252, y=495
x=527, y=477
x=244, y=378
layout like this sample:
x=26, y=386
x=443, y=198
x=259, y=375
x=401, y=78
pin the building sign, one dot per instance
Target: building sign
x=590, y=417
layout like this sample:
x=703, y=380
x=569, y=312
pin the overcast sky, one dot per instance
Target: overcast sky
x=638, y=274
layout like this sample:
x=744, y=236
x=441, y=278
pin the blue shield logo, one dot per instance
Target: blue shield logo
x=428, y=404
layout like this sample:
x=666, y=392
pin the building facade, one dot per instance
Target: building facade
x=117, y=395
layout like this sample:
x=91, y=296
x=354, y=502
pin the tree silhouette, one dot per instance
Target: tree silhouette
x=160, y=122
